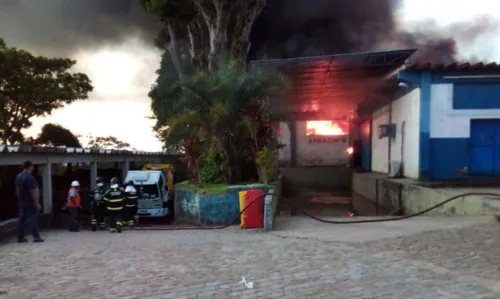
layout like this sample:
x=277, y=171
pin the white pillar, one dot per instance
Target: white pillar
x=93, y=174
x=46, y=171
x=125, y=169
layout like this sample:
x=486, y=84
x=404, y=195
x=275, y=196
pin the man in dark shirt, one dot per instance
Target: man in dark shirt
x=29, y=203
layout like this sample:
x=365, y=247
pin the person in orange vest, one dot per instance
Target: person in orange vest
x=74, y=204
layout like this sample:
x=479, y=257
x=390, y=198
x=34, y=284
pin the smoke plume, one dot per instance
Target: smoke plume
x=294, y=28
x=63, y=27
x=287, y=28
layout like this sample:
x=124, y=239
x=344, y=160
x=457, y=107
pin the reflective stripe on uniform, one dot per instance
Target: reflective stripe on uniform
x=130, y=206
x=115, y=209
x=118, y=223
x=116, y=200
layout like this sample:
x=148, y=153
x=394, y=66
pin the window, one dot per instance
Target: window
x=476, y=96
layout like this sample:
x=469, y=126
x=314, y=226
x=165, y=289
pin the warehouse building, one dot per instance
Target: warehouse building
x=322, y=102
x=442, y=123
x=420, y=121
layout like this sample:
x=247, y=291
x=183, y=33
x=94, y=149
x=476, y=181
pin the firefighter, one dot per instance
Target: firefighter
x=114, y=199
x=130, y=210
x=97, y=206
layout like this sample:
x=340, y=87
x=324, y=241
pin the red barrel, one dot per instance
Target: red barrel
x=253, y=216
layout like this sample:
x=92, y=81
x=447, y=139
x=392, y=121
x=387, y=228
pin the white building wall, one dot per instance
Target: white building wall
x=320, y=154
x=284, y=154
x=380, y=147
x=404, y=110
x=445, y=122
x=407, y=109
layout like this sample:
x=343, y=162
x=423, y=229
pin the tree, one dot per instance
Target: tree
x=215, y=103
x=56, y=135
x=109, y=142
x=33, y=86
x=199, y=19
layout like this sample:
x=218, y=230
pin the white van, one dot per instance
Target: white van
x=152, y=191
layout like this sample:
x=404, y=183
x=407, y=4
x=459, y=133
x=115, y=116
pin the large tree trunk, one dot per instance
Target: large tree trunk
x=217, y=14
x=174, y=50
x=196, y=34
x=247, y=13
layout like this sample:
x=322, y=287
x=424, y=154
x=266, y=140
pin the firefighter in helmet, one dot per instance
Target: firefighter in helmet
x=114, y=199
x=97, y=205
x=130, y=209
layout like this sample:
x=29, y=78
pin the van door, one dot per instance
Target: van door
x=163, y=189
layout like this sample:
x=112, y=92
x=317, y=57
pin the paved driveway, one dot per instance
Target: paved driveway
x=210, y=264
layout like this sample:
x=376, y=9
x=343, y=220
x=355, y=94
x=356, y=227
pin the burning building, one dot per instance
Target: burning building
x=421, y=121
x=320, y=109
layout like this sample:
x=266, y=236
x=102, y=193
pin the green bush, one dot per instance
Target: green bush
x=212, y=171
x=266, y=159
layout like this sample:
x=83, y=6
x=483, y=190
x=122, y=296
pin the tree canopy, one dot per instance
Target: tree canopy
x=109, y=142
x=34, y=86
x=56, y=135
x=228, y=109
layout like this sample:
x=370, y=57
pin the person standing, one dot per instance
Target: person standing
x=130, y=209
x=74, y=204
x=114, y=197
x=29, y=203
x=97, y=206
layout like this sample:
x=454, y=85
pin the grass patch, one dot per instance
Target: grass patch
x=207, y=188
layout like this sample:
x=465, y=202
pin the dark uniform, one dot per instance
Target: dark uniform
x=97, y=206
x=130, y=210
x=114, y=199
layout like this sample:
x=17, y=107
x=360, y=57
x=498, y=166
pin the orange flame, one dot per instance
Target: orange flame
x=323, y=128
x=349, y=150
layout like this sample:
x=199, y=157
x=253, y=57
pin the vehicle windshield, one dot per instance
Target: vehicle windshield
x=147, y=191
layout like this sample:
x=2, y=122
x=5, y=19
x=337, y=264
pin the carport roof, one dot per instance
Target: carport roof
x=334, y=84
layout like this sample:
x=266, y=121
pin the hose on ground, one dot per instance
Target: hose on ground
x=494, y=196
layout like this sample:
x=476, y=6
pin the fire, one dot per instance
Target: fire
x=349, y=150
x=324, y=128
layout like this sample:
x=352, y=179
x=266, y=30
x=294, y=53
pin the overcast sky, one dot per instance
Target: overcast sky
x=123, y=72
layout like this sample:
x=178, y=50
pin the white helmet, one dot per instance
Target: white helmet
x=75, y=184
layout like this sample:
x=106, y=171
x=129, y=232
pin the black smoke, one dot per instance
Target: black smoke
x=287, y=28
x=62, y=27
x=294, y=28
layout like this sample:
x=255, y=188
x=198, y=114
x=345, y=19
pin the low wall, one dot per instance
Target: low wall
x=211, y=208
x=317, y=177
x=271, y=204
x=376, y=194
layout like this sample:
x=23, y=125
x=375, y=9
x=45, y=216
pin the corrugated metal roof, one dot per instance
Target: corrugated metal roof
x=331, y=86
x=454, y=67
x=71, y=150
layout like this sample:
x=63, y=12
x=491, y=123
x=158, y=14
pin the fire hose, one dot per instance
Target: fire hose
x=494, y=196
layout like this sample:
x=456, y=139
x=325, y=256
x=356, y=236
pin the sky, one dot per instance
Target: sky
x=122, y=75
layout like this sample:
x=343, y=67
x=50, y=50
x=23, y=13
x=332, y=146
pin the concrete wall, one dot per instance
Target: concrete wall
x=316, y=177
x=271, y=204
x=404, y=147
x=210, y=209
x=330, y=152
x=284, y=138
x=375, y=194
x=380, y=147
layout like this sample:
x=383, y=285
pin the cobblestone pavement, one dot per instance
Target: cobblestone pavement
x=210, y=264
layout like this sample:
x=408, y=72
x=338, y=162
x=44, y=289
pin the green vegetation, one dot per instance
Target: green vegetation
x=206, y=189
x=34, y=86
x=210, y=106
